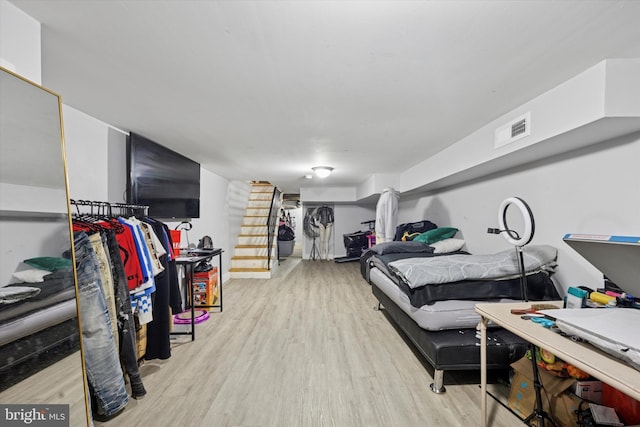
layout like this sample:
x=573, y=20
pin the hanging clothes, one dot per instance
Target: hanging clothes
x=104, y=374
x=144, y=287
x=126, y=323
x=106, y=280
x=166, y=298
x=386, y=215
x=141, y=300
x=324, y=220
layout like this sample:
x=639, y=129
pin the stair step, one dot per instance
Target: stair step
x=242, y=274
x=249, y=262
x=259, y=270
x=253, y=239
x=251, y=229
x=249, y=257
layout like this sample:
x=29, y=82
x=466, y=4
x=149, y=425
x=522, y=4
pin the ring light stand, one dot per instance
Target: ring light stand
x=519, y=242
x=514, y=238
x=186, y=226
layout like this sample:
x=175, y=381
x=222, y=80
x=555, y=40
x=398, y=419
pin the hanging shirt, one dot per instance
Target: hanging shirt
x=142, y=252
x=386, y=215
x=155, y=248
x=324, y=215
x=128, y=254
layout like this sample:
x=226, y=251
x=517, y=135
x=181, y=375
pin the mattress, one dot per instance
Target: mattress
x=441, y=315
x=56, y=287
x=540, y=287
x=53, y=304
x=36, y=321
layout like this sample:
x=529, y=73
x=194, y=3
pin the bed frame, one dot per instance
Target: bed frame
x=456, y=349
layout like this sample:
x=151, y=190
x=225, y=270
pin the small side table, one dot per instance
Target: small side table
x=189, y=263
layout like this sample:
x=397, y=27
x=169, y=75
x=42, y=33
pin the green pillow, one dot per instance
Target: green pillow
x=49, y=263
x=436, y=235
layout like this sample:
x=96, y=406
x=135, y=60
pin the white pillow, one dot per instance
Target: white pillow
x=447, y=245
x=32, y=275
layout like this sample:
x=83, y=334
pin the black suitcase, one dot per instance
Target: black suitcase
x=413, y=229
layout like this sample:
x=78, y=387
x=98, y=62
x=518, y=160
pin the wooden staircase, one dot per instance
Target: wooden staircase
x=250, y=259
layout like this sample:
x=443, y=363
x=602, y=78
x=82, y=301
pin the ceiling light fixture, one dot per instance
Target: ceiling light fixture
x=322, y=171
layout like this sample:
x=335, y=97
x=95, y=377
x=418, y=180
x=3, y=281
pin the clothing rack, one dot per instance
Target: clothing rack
x=108, y=209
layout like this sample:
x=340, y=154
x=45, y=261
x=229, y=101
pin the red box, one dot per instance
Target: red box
x=627, y=408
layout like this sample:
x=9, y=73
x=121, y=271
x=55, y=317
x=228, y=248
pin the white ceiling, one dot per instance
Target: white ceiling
x=267, y=89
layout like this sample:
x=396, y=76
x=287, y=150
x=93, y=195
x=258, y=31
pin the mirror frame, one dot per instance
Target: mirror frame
x=87, y=408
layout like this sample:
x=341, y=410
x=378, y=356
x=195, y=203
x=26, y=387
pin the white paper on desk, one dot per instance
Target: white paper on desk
x=619, y=325
x=613, y=330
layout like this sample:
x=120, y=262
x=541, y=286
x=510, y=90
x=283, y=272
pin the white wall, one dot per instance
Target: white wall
x=214, y=218
x=594, y=190
x=117, y=167
x=296, y=221
x=87, y=155
x=20, y=42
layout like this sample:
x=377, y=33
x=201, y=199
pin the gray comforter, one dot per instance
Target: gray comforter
x=418, y=272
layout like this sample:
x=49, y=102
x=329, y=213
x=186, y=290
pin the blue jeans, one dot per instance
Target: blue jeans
x=104, y=374
x=126, y=324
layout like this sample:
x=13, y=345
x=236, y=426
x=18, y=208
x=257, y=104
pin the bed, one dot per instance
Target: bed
x=38, y=325
x=431, y=297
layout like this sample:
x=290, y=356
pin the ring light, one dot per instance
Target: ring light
x=529, y=225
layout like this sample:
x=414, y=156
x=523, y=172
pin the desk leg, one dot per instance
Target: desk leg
x=483, y=369
x=220, y=279
x=192, y=302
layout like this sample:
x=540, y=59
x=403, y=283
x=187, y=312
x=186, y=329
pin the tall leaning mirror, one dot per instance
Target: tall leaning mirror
x=41, y=368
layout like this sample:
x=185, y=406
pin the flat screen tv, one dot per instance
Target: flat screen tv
x=167, y=182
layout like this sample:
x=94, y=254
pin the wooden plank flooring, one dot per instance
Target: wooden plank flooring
x=305, y=348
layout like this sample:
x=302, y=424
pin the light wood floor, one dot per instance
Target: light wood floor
x=303, y=349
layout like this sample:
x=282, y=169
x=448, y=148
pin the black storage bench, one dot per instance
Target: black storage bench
x=456, y=349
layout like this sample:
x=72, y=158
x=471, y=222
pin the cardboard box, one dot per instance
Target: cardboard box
x=205, y=287
x=558, y=402
x=589, y=390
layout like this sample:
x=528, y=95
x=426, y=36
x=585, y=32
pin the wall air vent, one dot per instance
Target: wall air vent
x=513, y=131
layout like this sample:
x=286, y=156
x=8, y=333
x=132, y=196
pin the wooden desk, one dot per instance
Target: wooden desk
x=189, y=263
x=607, y=369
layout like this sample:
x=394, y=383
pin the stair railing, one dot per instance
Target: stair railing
x=272, y=224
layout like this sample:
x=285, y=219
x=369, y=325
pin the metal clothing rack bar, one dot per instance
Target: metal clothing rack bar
x=108, y=209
